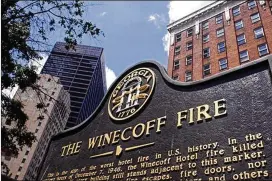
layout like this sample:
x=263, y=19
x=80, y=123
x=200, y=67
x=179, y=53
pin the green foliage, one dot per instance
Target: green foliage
x=25, y=28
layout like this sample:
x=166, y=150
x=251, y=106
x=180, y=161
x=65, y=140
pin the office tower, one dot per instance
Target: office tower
x=82, y=73
x=44, y=123
x=218, y=37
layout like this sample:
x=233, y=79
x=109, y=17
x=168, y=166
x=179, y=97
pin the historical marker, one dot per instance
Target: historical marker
x=151, y=128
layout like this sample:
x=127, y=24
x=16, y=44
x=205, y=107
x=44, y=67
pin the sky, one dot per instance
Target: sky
x=134, y=31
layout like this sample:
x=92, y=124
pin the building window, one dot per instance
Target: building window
x=189, y=45
x=236, y=11
x=221, y=47
x=23, y=160
x=243, y=55
x=8, y=122
x=8, y=158
x=176, y=64
x=206, y=53
x=206, y=38
x=40, y=123
x=53, y=93
x=177, y=50
x=189, y=32
x=255, y=17
x=205, y=25
x=175, y=77
x=36, y=131
x=178, y=37
x=263, y=49
x=188, y=76
x=219, y=19
x=259, y=32
x=26, y=153
x=48, y=80
x=223, y=63
x=239, y=24
x=241, y=39
x=251, y=4
x=220, y=32
x=20, y=168
x=188, y=60
x=16, y=177
x=206, y=69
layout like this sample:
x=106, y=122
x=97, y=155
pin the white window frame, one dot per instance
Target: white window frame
x=219, y=33
x=176, y=77
x=242, y=40
x=209, y=52
x=244, y=58
x=188, y=76
x=239, y=24
x=255, y=19
x=251, y=6
x=206, y=38
x=189, y=31
x=205, y=25
x=208, y=69
x=189, y=61
x=219, y=19
x=189, y=45
x=261, y=32
x=234, y=13
x=224, y=65
x=219, y=49
x=176, y=37
x=177, y=52
x=266, y=48
x=176, y=64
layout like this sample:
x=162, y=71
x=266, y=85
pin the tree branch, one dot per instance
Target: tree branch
x=33, y=14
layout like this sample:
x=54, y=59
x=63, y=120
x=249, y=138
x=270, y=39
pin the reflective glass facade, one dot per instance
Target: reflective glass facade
x=82, y=73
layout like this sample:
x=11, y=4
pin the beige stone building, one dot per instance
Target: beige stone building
x=43, y=122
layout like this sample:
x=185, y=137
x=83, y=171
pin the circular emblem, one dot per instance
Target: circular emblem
x=131, y=94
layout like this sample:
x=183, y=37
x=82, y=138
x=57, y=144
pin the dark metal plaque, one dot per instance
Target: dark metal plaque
x=149, y=127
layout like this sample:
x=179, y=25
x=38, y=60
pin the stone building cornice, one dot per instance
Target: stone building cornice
x=202, y=14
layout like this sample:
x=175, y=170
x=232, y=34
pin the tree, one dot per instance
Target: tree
x=25, y=29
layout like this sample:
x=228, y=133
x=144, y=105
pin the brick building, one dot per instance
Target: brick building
x=220, y=36
x=43, y=123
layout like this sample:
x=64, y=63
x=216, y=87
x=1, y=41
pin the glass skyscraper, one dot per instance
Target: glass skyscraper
x=82, y=73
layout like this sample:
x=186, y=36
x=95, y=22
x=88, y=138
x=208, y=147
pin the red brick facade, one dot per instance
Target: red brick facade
x=231, y=51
